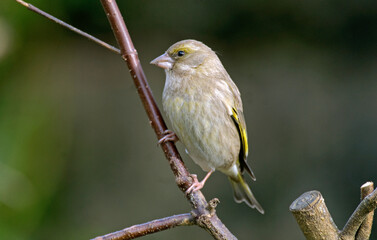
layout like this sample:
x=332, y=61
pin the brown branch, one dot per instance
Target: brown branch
x=203, y=214
x=70, y=27
x=366, y=227
x=316, y=223
x=129, y=54
x=139, y=230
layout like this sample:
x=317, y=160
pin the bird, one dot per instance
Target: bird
x=205, y=110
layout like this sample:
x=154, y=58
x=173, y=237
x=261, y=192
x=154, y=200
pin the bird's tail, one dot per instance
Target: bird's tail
x=242, y=193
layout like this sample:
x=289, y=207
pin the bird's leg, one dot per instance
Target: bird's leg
x=198, y=185
x=169, y=136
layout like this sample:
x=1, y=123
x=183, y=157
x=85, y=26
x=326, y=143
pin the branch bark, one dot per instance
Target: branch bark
x=358, y=216
x=366, y=227
x=150, y=227
x=316, y=222
x=313, y=217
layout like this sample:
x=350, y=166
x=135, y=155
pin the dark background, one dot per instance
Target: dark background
x=78, y=157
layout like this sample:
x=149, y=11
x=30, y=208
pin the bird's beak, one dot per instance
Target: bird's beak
x=164, y=61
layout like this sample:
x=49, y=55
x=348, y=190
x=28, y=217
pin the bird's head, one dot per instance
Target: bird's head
x=184, y=56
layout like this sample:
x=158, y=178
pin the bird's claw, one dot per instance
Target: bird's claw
x=196, y=185
x=169, y=136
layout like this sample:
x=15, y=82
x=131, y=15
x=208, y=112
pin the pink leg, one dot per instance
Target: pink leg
x=198, y=185
x=169, y=136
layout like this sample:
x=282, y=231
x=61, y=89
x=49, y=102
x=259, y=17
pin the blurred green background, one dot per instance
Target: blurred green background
x=79, y=159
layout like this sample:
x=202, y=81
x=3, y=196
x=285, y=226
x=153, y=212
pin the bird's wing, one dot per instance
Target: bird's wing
x=239, y=121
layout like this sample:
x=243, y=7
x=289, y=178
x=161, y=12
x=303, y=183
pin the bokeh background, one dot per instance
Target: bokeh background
x=79, y=159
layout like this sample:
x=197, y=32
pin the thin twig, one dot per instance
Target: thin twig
x=70, y=27
x=139, y=230
x=366, y=206
x=366, y=227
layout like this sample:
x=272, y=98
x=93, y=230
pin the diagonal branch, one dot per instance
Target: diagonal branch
x=204, y=215
x=365, y=207
x=70, y=27
x=158, y=225
x=366, y=227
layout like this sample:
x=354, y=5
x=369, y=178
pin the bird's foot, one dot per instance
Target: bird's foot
x=196, y=185
x=169, y=136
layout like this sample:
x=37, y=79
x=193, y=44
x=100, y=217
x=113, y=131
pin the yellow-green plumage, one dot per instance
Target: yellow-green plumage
x=204, y=107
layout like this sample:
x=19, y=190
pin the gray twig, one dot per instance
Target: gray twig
x=316, y=222
x=366, y=227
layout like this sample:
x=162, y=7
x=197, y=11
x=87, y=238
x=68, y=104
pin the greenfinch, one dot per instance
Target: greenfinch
x=204, y=107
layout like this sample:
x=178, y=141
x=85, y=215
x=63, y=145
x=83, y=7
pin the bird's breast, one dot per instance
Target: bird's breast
x=204, y=127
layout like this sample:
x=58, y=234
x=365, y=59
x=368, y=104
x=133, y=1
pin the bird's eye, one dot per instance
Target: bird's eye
x=180, y=53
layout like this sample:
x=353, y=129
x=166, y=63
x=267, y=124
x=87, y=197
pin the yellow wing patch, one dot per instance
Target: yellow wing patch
x=244, y=149
x=242, y=132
